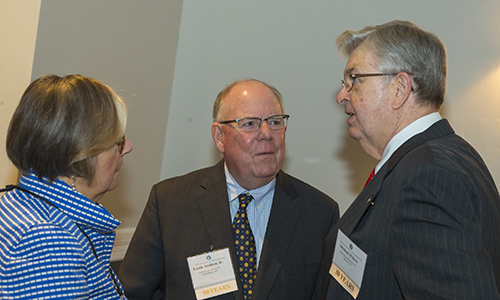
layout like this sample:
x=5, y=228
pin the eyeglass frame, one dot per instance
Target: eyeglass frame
x=121, y=144
x=284, y=116
x=356, y=76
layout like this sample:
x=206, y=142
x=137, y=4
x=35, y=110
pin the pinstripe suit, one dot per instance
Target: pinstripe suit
x=187, y=214
x=430, y=223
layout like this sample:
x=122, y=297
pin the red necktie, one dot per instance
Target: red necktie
x=370, y=177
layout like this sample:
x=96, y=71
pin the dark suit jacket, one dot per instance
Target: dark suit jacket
x=430, y=223
x=186, y=215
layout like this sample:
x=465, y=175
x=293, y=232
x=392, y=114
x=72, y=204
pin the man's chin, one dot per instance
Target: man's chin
x=354, y=133
x=267, y=171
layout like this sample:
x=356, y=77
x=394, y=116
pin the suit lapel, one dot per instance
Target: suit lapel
x=363, y=202
x=347, y=224
x=279, y=233
x=214, y=207
x=360, y=206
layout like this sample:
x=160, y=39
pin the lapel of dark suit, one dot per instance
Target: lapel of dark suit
x=362, y=203
x=214, y=207
x=279, y=232
x=347, y=223
x=351, y=218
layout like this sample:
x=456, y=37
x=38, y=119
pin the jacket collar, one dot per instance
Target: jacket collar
x=72, y=203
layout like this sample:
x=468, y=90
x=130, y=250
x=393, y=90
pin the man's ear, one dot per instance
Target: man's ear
x=217, y=136
x=403, y=89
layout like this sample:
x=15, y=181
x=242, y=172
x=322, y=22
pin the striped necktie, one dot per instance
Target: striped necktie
x=245, y=246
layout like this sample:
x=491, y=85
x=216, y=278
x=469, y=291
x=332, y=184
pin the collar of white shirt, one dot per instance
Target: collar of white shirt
x=418, y=126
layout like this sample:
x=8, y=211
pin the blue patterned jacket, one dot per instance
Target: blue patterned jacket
x=55, y=244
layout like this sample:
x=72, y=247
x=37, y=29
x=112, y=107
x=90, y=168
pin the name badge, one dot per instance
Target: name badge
x=348, y=264
x=212, y=274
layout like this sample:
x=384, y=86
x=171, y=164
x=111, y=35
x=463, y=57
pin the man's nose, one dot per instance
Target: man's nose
x=343, y=96
x=264, y=131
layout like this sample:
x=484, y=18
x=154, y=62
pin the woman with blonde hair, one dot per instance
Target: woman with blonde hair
x=67, y=138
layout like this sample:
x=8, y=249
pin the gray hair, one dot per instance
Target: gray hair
x=219, y=103
x=401, y=46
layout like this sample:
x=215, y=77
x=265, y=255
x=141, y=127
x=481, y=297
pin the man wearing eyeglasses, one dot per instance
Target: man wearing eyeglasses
x=272, y=225
x=427, y=225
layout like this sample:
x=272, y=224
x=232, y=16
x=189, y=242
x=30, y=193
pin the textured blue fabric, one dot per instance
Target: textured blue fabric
x=43, y=253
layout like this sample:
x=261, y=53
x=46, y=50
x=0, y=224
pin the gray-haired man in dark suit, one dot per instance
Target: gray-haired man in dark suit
x=427, y=226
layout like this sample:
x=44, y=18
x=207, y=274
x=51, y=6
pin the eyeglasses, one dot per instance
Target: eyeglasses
x=252, y=124
x=350, y=79
x=121, y=144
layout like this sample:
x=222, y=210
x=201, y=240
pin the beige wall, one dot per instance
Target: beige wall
x=18, y=24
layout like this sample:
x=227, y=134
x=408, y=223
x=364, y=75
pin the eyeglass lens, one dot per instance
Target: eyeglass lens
x=253, y=124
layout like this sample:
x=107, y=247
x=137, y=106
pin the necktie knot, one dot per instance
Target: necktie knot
x=245, y=199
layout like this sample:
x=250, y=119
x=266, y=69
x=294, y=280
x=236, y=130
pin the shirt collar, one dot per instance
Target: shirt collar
x=72, y=203
x=407, y=133
x=234, y=189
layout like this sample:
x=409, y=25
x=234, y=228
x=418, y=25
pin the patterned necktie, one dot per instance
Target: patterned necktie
x=370, y=177
x=245, y=246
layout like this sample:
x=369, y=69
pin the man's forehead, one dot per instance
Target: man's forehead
x=361, y=59
x=353, y=63
x=250, y=91
x=243, y=101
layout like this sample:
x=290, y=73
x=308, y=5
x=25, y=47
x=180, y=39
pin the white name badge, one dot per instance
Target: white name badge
x=212, y=274
x=348, y=264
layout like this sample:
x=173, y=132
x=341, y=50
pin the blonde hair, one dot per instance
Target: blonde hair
x=62, y=123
